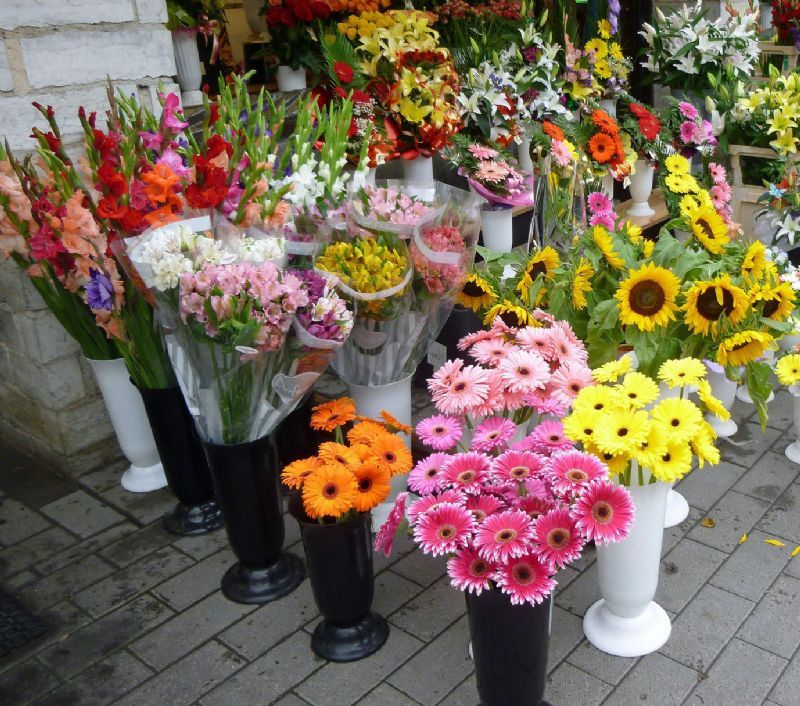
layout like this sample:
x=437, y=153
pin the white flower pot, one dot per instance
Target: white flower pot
x=369, y=178
x=627, y=622
x=677, y=506
x=187, y=60
x=743, y=393
x=610, y=106
x=765, y=20
x=789, y=341
x=641, y=187
x=128, y=417
x=255, y=20
x=793, y=450
x=725, y=391
x=608, y=186
x=419, y=170
x=524, y=155
x=395, y=398
x=497, y=229
x=290, y=79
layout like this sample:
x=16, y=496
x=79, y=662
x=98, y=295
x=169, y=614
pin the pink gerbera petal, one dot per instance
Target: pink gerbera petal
x=493, y=433
x=431, y=502
x=444, y=529
x=524, y=371
x=517, y=465
x=558, y=540
x=465, y=390
x=472, y=338
x=491, y=352
x=440, y=432
x=534, y=338
x=604, y=512
x=469, y=571
x=534, y=507
x=525, y=579
x=467, y=472
x=426, y=477
x=504, y=535
x=385, y=536
x=569, y=379
x=481, y=506
x=571, y=471
x=549, y=437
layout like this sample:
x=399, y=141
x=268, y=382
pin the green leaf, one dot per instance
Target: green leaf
x=757, y=376
x=605, y=315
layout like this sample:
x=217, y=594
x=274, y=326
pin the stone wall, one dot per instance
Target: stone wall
x=59, y=52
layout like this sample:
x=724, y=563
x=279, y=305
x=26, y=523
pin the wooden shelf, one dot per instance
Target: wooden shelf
x=657, y=203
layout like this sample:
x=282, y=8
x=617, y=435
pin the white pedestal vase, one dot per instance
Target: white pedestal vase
x=290, y=79
x=497, y=230
x=743, y=393
x=187, y=61
x=641, y=187
x=610, y=106
x=789, y=341
x=626, y=622
x=395, y=398
x=677, y=506
x=255, y=20
x=524, y=156
x=725, y=391
x=419, y=170
x=793, y=450
x=129, y=419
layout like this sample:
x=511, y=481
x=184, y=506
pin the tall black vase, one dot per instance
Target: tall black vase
x=184, y=462
x=293, y=437
x=509, y=648
x=246, y=478
x=339, y=558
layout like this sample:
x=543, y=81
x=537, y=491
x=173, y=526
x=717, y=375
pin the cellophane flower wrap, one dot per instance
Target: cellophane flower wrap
x=509, y=508
x=401, y=258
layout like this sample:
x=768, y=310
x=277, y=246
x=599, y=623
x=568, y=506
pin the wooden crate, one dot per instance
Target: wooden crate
x=790, y=56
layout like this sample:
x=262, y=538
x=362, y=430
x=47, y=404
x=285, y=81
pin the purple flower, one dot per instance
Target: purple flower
x=99, y=291
x=613, y=15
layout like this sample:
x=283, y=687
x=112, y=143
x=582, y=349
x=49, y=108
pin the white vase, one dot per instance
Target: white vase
x=524, y=155
x=626, y=622
x=369, y=178
x=290, y=79
x=641, y=187
x=187, y=61
x=610, y=106
x=255, y=20
x=608, y=186
x=677, y=506
x=681, y=235
x=789, y=341
x=725, y=391
x=395, y=398
x=419, y=170
x=497, y=229
x=793, y=450
x=126, y=410
x=765, y=20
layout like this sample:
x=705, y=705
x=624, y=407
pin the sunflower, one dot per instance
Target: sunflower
x=391, y=454
x=543, y=262
x=647, y=298
x=655, y=446
x=394, y=424
x=365, y=432
x=622, y=432
x=329, y=492
x=708, y=301
x=608, y=372
x=788, y=369
x=510, y=313
x=682, y=372
x=581, y=424
x=677, y=164
x=638, y=390
x=333, y=454
x=679, y=417
x=675, y=462
x=477, y=293
x=295, y=474
x=603, y=121
x=328, y=416
x=602, y=148
x=755, y=260
x=777, y=303
x=743, y=347
x=703, y=445
x=712, y=404
x=602, y=239
x=708, y=227
x=582, y=283
x=633, y=232
x=372, y=487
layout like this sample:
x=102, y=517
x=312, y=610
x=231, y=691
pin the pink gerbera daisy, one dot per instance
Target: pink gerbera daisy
x=569, y=379
x=444, y=529
x=524, y=371
x=561, y=153
x=385, y=536
x=493, y=172
x=549, y=437
x=558, y=540
x=599, y=202
x=469, y=571
x=426, y=477
x=492, y=433
x=494, y=402
x=536, y=339
x=544, y=403
x=538, y=488
x=603, y=512
x=482, y=152
x=687, y=110
x=431, y=502
x=687, y=132
x=467, y=388
x=442, y=377
x=481, y=506
x=491, y=352
x=466, y=472
x=517, y=465
x=571, y=471
x=566, y=345
x=504, y=535
x=440, y=432
x=525, y=579
x=534, y=507
x=718, y=173
x=472, y=338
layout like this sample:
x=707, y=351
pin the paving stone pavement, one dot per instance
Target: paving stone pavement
x=136, y=615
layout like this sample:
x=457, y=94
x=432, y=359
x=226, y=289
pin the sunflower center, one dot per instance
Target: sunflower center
x=510, y=318
x=536, y=269
x=522, y=574
x=709, y=307
x=602, y=512
x=473, y=289
x=446, y=532
x=519, y=472
x=478, y=568
x=330, y=490
x=703, y=224
x=365, y=484
x=576, y=475
x=506, y=535
x=466, y=476
x=770, y=307
x=647, y=297
x=558, y=538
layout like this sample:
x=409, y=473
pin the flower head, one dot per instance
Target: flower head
x=493, y=433
x=466, y=472
x=525, y=579
x=329, y=492
x=440, y=432
x=603, y=512
x=444, y=529
x=469, y=571
x=572, y=471
x=504, y=535
x=385, y=537
x=556, y=538
x=426, y=478
x=328, y=416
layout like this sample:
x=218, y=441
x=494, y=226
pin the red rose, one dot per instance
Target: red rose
x=301, y=9
x=360, y=97
x=343, y=71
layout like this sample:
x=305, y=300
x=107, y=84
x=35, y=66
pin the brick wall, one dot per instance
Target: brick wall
x=59, y=52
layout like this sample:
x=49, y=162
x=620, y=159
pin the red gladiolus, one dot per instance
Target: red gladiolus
x=108, y=207
x=213, y=114
x=112, y=180
x=211, y=187
x=343, y=71
x=301, y=9
x=216, y=146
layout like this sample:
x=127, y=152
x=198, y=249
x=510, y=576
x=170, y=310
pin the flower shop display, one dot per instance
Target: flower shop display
x=337, y=488
x=785, y=20
x=781, y=214
x=609, y=66
x=506, y=496
x=787, y=370
x=648, y=441
x=646, y=134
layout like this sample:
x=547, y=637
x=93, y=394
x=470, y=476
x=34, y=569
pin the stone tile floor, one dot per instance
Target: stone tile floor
x=137, y=617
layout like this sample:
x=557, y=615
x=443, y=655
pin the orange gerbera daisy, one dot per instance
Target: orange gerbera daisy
x=329, y=492
x=390, y=453
x=605, y=122
x=365, y=432
x=395, y=424
x=333, y=454
x=297, y=471
x=553, y=131
x=372, y=487
x=328, y=416
x=602, y=148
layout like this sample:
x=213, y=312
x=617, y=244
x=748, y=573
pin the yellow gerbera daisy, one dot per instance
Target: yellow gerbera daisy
x=616, y=464
x=755, y=260
x=743, y=347
x=647, y=298
x=703, y=445
x=604, y=29
x=682, y=372
x=655, y=446
x=681, y=183
x=510, y=313
x=677, y=164
x=581, y=424
x=606, y=373
x=679, y=417
x=582, y=284
x=602, y=239
x=622, y=432
x=708, y=227
x=638, y=390
x=777, y=303
x=675, y=462
x=788, y=369
x=598, y=46
x=708, y=301
x=712, y=404
x=477, y=293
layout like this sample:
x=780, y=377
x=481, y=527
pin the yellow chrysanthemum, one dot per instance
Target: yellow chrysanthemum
x=712, y=404
x=777, y=303
x=647, y=298
x=755, y=260
x=677, y=164
x=602, y=239
x=581, y=424
x=675, y=462
x=682, y=372
x=703, y=445
x=708, y=301
x=638, y=390
x=622, y=432
x=606, y=373
x=647, y=248
x=708, y=228
x=788, y=369
x=743, y=347
x=680, y=418
x=510, y=313
x=633, y=232
x=582, y=284
x=477, y=293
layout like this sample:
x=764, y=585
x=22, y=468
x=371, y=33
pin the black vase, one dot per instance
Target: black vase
x=339, y=559
x=184, y=462
x=293, y=437
x=509, y=648
x=248, y=492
